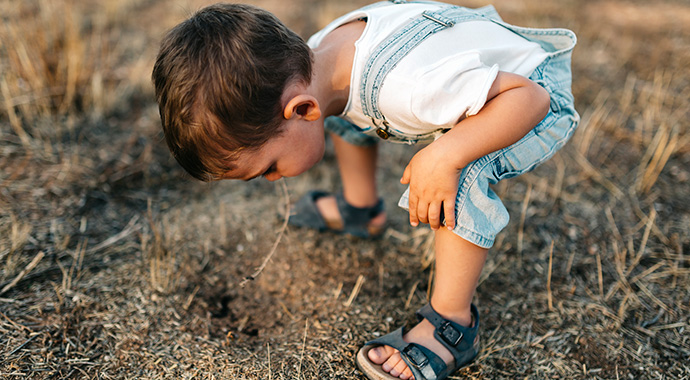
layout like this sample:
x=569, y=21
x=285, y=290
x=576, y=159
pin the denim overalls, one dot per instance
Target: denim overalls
x=480, y=214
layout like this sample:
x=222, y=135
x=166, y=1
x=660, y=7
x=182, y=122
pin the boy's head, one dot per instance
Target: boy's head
x=219, y=77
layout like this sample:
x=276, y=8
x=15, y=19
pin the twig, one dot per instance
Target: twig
x=129, y=228
x=275, y=245
x=23, y=344
x=521, y=229
x=549, y=295
x=612, y=221
x=643, y=243
x=190, y=299
x=268, y=348
x=15, y=324
x=23, y=273
x=662, y=152
x=655, y=299
x=409, y=297
x=600, y=276
x=597, y=176
x=304, y=345
x=14, y=119
x=83, y=264
x=355, y=291
x=92, y=263
x=537, y=341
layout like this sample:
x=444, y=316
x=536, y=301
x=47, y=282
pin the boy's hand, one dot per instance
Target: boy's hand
x=433, y=181
x=514, y=106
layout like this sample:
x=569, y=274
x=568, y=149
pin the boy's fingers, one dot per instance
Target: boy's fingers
x=412, y=209
x=449, y=213
x=423, y=212
x=435, y=216
x=405, y=180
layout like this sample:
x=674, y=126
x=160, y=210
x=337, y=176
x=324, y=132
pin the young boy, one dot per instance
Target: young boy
x=241, y=96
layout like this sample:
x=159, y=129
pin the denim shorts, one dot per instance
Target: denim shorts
x=348, y=132
x=479, y=213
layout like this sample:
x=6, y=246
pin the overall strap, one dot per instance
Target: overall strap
x=389, y=52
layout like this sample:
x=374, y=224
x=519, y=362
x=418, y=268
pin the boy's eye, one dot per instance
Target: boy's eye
x=270, y=170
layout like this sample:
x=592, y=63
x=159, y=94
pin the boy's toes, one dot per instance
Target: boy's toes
x=390, y=361
x=406, y=374
x=400, y=370
x=392, y=364
x=379, y=355
x=397, y=367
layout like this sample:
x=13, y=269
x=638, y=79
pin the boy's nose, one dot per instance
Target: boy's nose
x=273, y=176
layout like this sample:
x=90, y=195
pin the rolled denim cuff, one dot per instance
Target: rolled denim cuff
x=348, y=132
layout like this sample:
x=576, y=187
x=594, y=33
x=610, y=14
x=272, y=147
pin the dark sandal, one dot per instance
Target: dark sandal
x=461, y=341
x=355, y=220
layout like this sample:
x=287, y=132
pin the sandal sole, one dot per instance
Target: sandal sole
x=375, y=372
x=370, y=370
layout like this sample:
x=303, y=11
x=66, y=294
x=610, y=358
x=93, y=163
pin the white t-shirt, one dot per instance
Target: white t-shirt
x=443, y=79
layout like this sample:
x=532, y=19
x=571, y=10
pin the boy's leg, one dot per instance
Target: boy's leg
x=357, y=165
x=458, y=266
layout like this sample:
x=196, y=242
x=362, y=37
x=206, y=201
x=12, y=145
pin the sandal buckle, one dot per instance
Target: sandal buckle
x=415, y=355
x=450, y=334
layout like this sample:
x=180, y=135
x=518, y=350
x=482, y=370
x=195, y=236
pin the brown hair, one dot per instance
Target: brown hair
x=219, y=77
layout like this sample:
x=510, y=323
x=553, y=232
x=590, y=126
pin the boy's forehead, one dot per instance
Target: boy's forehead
x=240, y=171
x=234, y=174
x=244, y=166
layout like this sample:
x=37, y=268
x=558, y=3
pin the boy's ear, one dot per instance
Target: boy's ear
x=304, y=106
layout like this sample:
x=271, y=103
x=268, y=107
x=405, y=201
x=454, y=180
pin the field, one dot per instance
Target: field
x=114, y=264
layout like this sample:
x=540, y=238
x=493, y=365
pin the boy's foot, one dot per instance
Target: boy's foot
x=328, y=207
x=423, y=333
x=389, y=358
x=328, y=212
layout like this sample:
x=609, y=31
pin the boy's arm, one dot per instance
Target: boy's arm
x=514, y=106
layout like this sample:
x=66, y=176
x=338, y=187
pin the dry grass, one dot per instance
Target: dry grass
x=113, y=264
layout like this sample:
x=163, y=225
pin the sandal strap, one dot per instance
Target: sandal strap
x=356, y=219
x=307, y=212
x=424, y=363
x=458, y=339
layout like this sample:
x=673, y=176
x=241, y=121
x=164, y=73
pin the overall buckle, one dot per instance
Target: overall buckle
x=382, y=130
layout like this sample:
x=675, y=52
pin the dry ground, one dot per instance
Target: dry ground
x=114, y=264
